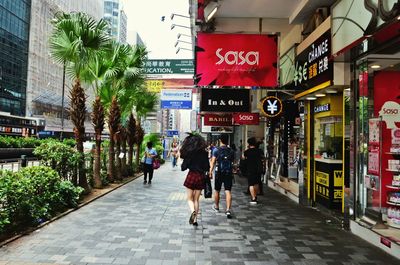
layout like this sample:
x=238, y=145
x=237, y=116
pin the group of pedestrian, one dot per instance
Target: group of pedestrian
x=217, y=165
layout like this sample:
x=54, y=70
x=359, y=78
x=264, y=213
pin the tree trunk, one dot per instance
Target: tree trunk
x=97, y=164
x=77, y=112
x=130, y=158
x=118, y=159
x=81, y=167
x=111, y=155
x=124, y=170
x=137, y=155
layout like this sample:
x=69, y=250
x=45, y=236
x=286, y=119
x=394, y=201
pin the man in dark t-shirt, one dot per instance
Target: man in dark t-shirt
x=254, y=167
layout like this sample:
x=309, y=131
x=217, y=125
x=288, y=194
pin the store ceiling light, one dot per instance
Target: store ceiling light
x=331, y=91
x=210, y=10
x=320, y=95
x=375, y=66
x=311, y=98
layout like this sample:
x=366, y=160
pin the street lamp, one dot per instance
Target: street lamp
x=173, y=15
x=181, y=34
x=177, y=51
x=177, y=42
x=176, y=25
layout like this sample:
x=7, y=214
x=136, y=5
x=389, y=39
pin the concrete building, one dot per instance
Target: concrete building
x=44, y=83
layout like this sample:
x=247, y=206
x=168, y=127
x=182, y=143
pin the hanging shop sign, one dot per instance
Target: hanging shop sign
x=155, y=85
x=246, y=118
x=271, y=106
x=176, y=99
x=366, y=18
x=225, y=100
x=215, y=129
x=218, y=120
x=169, y=66
x=236, y=60
x=322, y=108
x=312, y=66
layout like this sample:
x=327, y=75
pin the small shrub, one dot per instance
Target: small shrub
x=59, y=156
x=32, y=195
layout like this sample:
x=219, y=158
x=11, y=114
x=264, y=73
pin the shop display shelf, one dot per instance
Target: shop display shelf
x=393, y=187
x=393, y=153
x=393, y=170
x=392, y=224
x=393, y=203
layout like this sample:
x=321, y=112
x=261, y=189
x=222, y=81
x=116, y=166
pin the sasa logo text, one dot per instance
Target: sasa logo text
x=237, y=57
x=246, y=118
x=390, y=111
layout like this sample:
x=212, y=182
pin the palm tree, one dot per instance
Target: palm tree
x=138, y=139
x=131, y=131
x=75, y=41
x=114, y=117
x=98, y=124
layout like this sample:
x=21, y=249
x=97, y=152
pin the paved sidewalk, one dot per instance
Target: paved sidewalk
x=148, y=224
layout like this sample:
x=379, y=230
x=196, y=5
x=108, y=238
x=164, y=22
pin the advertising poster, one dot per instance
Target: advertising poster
x=387, y=107
x=236, y=60
x=373, y=138
x=373, y=162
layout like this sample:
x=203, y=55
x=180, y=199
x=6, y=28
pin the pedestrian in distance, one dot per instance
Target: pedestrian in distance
x=253, y=160
x=195, y=158
x=222, y=159
x=173, y=152
x=149, y=155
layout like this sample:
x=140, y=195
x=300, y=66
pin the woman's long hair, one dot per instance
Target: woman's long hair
x=192, y=144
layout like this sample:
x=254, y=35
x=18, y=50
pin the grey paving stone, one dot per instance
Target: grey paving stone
x=143, y=224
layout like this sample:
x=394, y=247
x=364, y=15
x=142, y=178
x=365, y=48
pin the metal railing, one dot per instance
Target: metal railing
x=15, y=164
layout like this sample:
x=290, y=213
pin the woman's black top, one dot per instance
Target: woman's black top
x=197, y=161
x=254, y=161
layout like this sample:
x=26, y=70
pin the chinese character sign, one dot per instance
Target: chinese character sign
x=312, y=66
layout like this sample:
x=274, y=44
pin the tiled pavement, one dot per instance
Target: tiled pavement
x=148, y=224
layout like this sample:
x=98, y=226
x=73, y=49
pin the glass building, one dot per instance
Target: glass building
x=117, y=19
x=14, y=41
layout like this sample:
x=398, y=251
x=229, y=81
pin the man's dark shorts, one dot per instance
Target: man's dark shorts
x=225, y=179
x=254, y=179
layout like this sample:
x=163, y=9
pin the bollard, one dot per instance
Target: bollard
x=24, y=161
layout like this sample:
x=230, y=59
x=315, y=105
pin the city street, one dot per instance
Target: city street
x=148, y=224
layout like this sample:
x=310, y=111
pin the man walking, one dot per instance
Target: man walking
x=222, y=157
x=254, y=158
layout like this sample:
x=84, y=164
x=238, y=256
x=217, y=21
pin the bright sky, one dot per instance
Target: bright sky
x=144, y=17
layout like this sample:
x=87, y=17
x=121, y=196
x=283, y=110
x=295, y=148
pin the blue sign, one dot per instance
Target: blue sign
x=171, y=133
x=176, y=99
x=176, y=104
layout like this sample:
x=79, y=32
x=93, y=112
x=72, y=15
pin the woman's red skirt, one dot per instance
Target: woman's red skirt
x=195, y=180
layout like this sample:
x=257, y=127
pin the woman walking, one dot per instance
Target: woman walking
x=150, y=153
x=195, y=158
x=254, y=166
x=174, y=153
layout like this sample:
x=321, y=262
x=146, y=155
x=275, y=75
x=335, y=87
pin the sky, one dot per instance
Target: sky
x=144, y=17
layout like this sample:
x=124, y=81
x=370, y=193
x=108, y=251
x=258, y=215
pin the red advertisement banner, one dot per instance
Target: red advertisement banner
x=246, y=118
x=236, y=60
x=218, y=120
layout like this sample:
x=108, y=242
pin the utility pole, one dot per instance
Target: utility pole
x=62, y=103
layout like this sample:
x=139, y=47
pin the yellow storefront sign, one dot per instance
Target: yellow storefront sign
x=322, y=178
x=338, y=178
x=337, y=194
x=154, y=86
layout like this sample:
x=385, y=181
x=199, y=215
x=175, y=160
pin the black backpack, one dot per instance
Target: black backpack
x=225, y=160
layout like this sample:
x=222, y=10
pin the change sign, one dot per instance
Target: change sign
x=271, y=106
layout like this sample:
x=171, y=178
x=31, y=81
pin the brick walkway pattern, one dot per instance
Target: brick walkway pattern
x=148, y=224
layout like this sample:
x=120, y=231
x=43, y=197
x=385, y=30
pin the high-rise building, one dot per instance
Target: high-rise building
x=116, y=17
x=45, y=76
x=14, y=41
